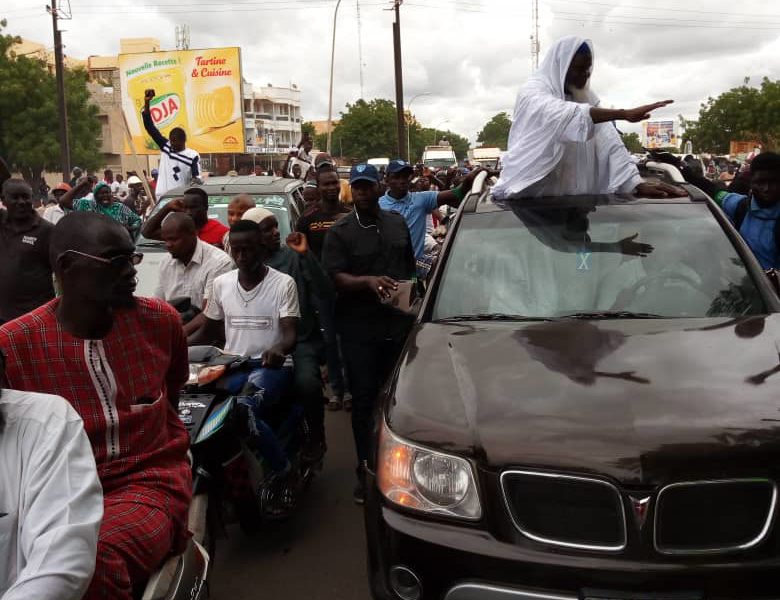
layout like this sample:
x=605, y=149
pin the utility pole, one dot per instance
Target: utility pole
x=399, y=79
x=360, y=46
x=330, y=94
x=535, y=46
x=62, y=109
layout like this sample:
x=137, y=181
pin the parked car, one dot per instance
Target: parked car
x=282, y=196
x=344, y=172
x=586, y=408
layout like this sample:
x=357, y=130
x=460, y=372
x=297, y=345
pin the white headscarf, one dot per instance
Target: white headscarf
x=541, y=115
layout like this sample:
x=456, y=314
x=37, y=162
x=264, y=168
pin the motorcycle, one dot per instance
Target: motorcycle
x=239, y=479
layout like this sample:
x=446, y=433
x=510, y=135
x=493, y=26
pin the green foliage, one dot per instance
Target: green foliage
x=367, y=130
x=743, y=113
x=307, y=128
x=29, y=124
x=632, y=142
x=495, y=133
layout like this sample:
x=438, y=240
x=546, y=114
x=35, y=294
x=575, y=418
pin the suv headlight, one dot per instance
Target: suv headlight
x=426, y=480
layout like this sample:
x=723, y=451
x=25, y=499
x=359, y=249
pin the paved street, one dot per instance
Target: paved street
x=318, y=555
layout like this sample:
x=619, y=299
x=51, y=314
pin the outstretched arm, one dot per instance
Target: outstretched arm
x=632, y=115
x=149, y=125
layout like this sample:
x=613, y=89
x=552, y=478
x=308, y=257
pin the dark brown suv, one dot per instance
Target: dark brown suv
x=587, y=408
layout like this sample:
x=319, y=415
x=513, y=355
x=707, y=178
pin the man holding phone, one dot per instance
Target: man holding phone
x=369, y=255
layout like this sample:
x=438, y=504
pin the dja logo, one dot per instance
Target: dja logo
x=164, y=109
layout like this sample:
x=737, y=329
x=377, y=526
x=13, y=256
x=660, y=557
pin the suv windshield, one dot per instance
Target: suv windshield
x=670, y=260
x=218, y=204
x=439, y=162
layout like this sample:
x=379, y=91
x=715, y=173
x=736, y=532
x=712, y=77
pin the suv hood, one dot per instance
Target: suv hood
x=639, y=400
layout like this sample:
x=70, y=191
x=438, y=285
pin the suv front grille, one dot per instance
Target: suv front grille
x=565, y=510
x=706, y=517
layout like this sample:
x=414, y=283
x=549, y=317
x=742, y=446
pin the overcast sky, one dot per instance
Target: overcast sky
x=469, y=55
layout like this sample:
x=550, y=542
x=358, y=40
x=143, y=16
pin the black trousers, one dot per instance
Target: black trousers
x=368, y=364
x=307, y=383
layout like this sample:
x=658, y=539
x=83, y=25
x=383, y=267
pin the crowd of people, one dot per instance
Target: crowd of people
x=94, y=457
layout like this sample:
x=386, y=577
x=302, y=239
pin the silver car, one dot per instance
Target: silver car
x=283, y=197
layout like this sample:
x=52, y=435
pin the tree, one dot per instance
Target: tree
x=632, y=142
x=495, y=133
x=367, y=130
x=29, y=122
x=742, y=113
x=307, y=128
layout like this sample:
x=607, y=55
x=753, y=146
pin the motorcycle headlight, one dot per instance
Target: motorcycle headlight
x=201, y=374
x=426, y=480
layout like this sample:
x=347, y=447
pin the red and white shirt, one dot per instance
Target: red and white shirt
x=120, y=387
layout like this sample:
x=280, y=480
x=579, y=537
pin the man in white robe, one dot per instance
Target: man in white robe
x=562, y=143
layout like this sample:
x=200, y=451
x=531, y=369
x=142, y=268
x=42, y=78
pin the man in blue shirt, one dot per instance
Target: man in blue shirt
x=755, y=216
x=415, y=207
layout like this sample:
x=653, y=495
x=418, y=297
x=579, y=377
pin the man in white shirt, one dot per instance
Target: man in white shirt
x=51, y=502
x=257, y=307
x=191, y=266
x=54, y=213
x=179, y=165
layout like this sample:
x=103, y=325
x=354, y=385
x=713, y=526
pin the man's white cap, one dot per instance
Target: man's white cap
x=132, y=180
x=258, y=214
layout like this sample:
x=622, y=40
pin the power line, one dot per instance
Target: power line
x=669, y=20
x=666, y=10
x=670, y=25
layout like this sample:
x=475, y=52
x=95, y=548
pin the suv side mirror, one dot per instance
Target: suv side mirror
x=774, y=278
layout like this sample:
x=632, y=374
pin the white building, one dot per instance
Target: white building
x=272, y=118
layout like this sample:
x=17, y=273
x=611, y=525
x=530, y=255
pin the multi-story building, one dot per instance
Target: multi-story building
x=272, y=115
x=272, y=118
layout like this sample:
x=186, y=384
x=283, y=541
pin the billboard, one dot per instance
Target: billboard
x=197, y=90
x=660, y=134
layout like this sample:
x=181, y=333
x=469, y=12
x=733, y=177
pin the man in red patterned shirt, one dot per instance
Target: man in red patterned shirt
x=120, y=361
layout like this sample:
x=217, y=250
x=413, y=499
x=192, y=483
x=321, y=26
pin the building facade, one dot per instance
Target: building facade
x=272, y=118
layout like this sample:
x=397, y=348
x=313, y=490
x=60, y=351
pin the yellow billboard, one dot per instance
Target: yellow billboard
x=197, y=90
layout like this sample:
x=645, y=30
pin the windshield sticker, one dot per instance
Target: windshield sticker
x=583, y=260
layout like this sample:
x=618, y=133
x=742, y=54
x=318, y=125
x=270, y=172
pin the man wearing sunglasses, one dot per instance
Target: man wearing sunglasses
x=25, y=270
x=120, y=361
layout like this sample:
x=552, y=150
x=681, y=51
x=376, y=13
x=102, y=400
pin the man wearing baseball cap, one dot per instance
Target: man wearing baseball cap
x=416, y=206
x=368, y=253
x=54, y=213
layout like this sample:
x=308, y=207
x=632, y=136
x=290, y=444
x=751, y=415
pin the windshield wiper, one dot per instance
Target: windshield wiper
x=612, y=314
x=491, y=317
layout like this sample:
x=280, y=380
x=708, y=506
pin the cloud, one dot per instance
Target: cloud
x=469, y=55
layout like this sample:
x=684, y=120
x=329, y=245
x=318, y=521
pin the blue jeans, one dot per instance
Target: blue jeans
x=262, y=389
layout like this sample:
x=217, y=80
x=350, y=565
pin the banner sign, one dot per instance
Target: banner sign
x=197, y=90
x=660, y=134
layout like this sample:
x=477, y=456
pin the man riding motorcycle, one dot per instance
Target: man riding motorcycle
x=257, y=307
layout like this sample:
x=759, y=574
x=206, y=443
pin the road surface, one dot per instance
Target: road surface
x=318, y=555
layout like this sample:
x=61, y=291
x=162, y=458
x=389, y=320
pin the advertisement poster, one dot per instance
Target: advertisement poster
x=197, y=90
x=660, y=134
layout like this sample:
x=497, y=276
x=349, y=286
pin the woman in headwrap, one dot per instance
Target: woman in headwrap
x=103, y=202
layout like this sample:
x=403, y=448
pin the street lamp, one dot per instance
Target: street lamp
x=332, y=59
x=408, y=125
x=437, y=127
